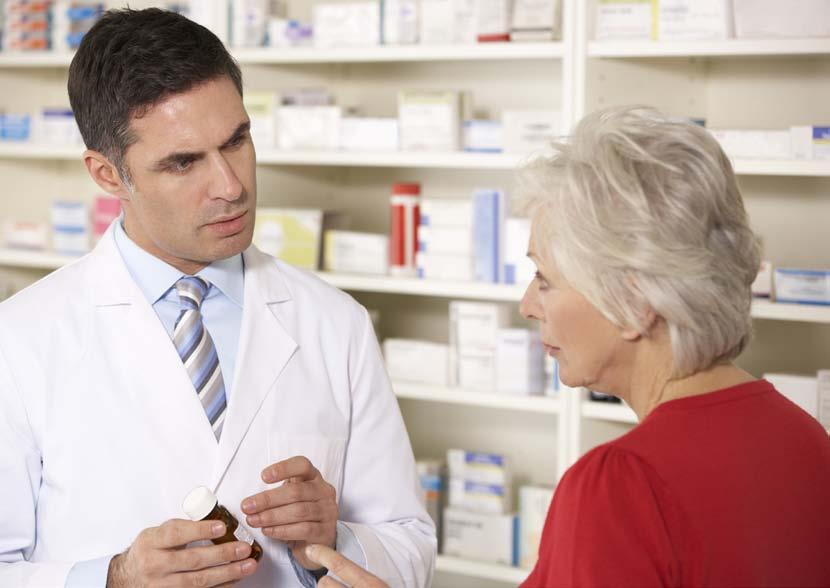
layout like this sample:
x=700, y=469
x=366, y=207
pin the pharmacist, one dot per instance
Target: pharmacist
x=645, y=262
x=177, y=355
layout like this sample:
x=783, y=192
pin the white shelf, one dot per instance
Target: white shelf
x=727, y=48
x=449, y=160
x=808, y=313
x=417, y=287
x=402, y=159
x=608, y=411
x=475, y=569
x=533, y=404
x=371, y=54
x=379, y=54
x=781, y=167
x=33, y=259
x=761, y=309
x=26, y=150
x=25, y=59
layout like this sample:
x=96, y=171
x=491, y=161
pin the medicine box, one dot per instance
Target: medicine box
x=445, y=240
x=430, y=474
x=353, y=252
x=811, y=142
x=477, y=497
x=534, y=502
x=483, y=136
x=352, y=24
x=802, y=390
x=400, y=22
x=476, y=369
x=762, y=286
x=481, y=537
x=308, y=127
x=488, y=235
x=535, y=20
x=755, y=144
x=631, y=19
x=479, y=467
x=262, y=109
x=518, y=268
x=431, y=120
x=436, y=22
x=520, y=362
x=406, y=358
x=444, y=266
x=474, y=325
x=764, y=19
x=493, y=19
x=25, y=235
x=529, y=131
x=290, y=234
x=802, y=286
x=823, y=378
x=686, y=20
x=369, y=134
x=70, y=227
x=447, y=213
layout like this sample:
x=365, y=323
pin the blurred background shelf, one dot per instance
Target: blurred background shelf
x=533, y=404
x=727, y=48
x=476, y=569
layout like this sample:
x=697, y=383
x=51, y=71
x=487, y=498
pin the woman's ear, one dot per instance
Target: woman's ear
x=648, y=320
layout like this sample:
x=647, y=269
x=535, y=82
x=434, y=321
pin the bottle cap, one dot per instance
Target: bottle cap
x=198, y=504
x=409, y=189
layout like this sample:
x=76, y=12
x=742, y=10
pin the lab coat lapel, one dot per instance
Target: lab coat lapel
x=138, y=346
x=265, y=347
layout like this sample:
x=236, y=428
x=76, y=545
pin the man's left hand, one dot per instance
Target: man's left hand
x=303, y=510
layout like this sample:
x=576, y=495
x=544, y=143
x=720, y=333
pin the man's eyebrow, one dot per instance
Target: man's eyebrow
x=183, y=156
x=239, y=132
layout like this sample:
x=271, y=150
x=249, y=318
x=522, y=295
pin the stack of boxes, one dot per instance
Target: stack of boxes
x=474, y=328
x=810, y=393
x=445, y=240
x=478, y=522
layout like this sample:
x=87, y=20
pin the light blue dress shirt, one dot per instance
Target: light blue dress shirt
x=222, y=315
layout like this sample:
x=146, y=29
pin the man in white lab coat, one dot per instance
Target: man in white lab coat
x=177, y=355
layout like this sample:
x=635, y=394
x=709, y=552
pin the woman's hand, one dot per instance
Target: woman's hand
x=346, y=570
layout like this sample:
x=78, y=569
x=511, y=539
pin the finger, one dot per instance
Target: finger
x=290, y=513
x=298, y=467
x=218, y=575
x=338, y=565
x=199, y=558
x=329, y=582
x=178, y=532
x=309, y=532
x=286, y=494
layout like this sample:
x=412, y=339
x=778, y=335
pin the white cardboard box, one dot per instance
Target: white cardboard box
x=685, y=20
x=534, y=502
x=406, y=358
x=772, y=18
x=803, y=390
x=474, y=325
x=444, y=266
x=481, y=537
x=755, y=144
x=520, y=362
x=353, y=24
x=529, y=131
x=479, y=467
x=431, y=120
x=823, y=378
x=477, y=497
x=309, y=127
x=353, y=252
x=624, y=20
x=369, y=134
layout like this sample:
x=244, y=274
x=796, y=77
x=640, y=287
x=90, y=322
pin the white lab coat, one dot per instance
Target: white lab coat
x=102, y=434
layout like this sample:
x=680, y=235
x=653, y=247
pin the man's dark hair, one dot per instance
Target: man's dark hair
x=130, y=61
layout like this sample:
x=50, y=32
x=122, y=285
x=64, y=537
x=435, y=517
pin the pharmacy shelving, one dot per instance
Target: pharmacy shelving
x=419, y=53
x=608, y=411
x=530, y=404
x=398, y=159
x=39, y=59
x=459, y=160
x=485, y=571
x=726, y=48
x=310, y=55
x=761, y=309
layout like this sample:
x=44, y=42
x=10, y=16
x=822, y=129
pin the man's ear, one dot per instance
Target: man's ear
x=649, y=320
x=105, y=174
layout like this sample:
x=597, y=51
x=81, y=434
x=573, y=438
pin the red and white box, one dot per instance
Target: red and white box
x=403, y=228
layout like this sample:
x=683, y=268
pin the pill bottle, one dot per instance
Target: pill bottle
x=202, y=505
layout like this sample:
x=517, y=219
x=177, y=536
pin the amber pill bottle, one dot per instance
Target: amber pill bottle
x=202, y=505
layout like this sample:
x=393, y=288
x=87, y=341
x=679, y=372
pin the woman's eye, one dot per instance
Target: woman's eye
x=543, y=284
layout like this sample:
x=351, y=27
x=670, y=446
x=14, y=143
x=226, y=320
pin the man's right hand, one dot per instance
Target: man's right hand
x=157, y=558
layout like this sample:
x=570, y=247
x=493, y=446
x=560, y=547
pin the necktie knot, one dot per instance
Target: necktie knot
x=192, y=290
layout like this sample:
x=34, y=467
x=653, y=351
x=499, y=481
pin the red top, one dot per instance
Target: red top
x=730, y=488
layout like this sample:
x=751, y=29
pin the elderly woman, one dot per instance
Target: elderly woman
x=645, y=260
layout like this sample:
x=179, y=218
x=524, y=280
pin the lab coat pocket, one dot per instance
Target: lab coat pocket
x=327, y=454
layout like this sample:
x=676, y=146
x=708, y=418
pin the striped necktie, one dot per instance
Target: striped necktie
x=196, y=349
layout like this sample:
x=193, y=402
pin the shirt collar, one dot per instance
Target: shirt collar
x=155, y=277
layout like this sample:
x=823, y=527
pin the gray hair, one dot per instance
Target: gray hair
x=639, y=211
